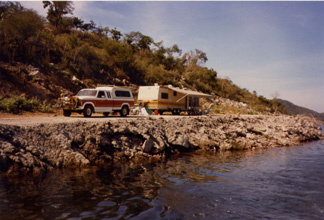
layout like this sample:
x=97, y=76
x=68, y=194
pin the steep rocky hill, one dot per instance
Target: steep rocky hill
x=41, y=59
x=18, y=79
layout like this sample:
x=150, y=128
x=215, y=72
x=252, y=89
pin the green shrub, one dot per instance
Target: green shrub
x=45, y=107
x=17, y=104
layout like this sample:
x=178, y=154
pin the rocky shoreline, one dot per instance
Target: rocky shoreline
x=31, y=150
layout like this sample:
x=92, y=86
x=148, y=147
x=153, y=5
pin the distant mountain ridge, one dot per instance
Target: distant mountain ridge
x=293, y=109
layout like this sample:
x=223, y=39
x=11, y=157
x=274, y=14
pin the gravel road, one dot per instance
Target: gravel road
x=21, y=120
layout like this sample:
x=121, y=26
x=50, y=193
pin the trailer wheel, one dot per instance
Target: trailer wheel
x=176, y=111
x=87, y=111
x=124, y=111
x=67, y=113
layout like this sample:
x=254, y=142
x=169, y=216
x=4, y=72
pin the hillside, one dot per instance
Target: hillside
x=42, y=58
x=298, y=110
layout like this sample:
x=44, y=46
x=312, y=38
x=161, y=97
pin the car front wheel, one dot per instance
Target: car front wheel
x=87, y=112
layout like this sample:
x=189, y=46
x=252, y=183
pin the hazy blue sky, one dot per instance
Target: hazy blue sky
x=263, y=46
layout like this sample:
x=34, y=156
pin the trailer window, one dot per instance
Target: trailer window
x=120, y=93
x=164, y=95
x=108, y=95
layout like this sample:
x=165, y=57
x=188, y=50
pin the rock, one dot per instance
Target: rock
x=147, y=145
x=75, y=79
x=183, y=141
x=41, y=148
x=7, y=147
x=33, y=73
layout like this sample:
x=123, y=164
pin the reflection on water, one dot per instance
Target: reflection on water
x=281, y=183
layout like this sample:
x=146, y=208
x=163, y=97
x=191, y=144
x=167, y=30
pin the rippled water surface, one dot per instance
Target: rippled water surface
x=280, y=183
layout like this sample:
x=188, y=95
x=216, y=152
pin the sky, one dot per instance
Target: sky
x=267, y=47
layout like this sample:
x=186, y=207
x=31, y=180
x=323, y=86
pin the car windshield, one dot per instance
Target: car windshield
x=87, y=92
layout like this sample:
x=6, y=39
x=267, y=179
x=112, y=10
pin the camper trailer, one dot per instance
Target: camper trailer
x=169, y=98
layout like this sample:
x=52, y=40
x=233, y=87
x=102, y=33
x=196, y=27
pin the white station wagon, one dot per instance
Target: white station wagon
x=103, y=99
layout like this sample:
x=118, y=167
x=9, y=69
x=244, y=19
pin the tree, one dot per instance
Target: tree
x=201, y=78
x=56, y=11
x=275, y=97
x=196, y=57
x=100, y=31
x=7, y=8
x=89, y=26
x=158, y=74
x=20, y=34
x=72, y=22
x=116, y=35
x=173, y=49
x=138, y=40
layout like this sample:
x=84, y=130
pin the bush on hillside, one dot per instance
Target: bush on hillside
x=17, y=104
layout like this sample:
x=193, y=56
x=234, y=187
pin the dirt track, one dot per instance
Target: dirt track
x=37, y=120
x=30, y=120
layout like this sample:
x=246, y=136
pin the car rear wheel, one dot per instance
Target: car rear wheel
x=88, y=110
x=124, y=111
x=106, y=114
x=67, y=113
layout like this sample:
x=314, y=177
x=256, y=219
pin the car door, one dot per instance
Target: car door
x=109, y=103
x=101, y=102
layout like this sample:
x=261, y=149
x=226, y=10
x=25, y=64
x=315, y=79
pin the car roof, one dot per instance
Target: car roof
x=111, y=88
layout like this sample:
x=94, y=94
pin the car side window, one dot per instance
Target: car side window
x=108, y=95
x=120, y=93
x=101, y=94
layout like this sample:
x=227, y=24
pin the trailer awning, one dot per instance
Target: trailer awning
x=188, y=93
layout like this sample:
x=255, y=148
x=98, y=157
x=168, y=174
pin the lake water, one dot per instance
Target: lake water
x=278, y=183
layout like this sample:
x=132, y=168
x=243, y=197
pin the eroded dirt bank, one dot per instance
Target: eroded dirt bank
x=37, y=148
